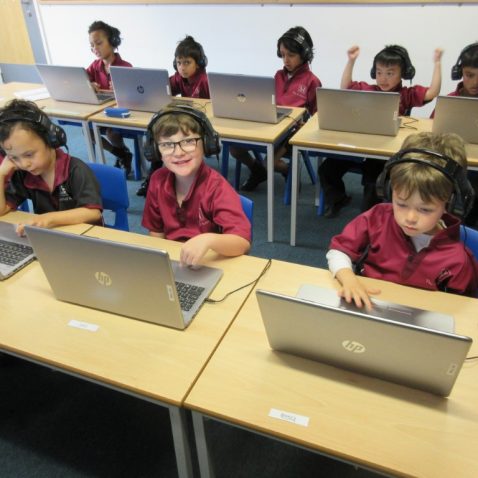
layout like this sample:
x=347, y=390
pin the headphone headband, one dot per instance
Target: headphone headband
x=408, y=70
x=54, y=135
x=209, y=135
x=457, y=68
x=463, y=195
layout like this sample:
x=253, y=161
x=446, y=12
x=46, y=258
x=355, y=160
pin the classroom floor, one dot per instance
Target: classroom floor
x=54, y=425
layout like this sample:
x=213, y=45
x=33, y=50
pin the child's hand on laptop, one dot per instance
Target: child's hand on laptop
x=42, y=220
x=96, y=86
x=194, y=249
x=353, y=290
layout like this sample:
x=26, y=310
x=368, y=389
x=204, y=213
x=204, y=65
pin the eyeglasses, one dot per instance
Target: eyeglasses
x=187, y=145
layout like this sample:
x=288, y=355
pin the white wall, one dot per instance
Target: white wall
x=242, y=38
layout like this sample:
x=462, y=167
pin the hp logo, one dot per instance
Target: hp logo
x=354, y=347
x=241, y=97
x=140, y=89
x=103, y=278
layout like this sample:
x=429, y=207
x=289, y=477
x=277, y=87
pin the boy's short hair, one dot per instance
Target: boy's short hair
x=469, y=56
x=297, y=40
x=394, y=55
x=429, y=182
x=190, y=47
x=170, y=124
x=111, y=32
x=20, y=109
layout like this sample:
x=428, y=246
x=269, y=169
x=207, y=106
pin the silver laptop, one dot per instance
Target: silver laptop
x=143, y=89
x=368, y=112
x=404, y=351
x=15, y=251
x=243, y=97
x=457, y=114
x=124, y=279
x=71, y=83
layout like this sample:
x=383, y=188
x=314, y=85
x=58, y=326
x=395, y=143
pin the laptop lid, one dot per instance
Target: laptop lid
x=411, y=355
x=71, y=83
x=15, y=251
x=368, y=112
x=457, y=114
x=125, y=279
x=244, y=97
x=141, y=89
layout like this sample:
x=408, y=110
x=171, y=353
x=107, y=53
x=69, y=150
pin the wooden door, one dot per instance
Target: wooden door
x=14, y=39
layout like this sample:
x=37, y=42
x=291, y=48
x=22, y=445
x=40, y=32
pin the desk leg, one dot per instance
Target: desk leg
x=270, y=192
x=89, y=143
x=181, y=443
x=99, y=144
x=293, y=201
x=206, y=469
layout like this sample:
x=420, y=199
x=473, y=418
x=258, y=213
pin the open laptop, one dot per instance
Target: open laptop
x=143, y=89
x=124, y=279
x=368, y=112
x=71, y=83
x=244, y=97
x=15, y=251
x=405, y=351
x=457, y=114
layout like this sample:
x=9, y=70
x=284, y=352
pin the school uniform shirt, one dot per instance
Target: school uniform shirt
x=195, y=87
x=410, y=96
x=75, y=186
x=98, y=74
x=211, y=205
x=297, y=90
x=445, y=264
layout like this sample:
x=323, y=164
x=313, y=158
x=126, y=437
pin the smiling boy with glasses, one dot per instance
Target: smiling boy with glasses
x=188, y=201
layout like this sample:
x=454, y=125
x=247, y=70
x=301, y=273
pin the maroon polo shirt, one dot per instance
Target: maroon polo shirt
x=98, y=74
x=195, y=87
x=211, y=205
x=299, y=90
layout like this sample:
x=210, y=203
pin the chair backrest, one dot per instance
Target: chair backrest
x=114, y=193
x=470, y=237
x=248, y=208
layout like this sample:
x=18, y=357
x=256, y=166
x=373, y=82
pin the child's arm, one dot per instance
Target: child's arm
x=62, y=218
x=352, y=53
x=157, y=234
x=7, y=167
x=340, y=265
x=435, y=84
x=226, y=244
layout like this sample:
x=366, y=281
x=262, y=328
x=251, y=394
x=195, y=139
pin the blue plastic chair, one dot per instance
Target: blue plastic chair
x=114, y=193
x=248, y=208
x=469, y=237
x=24, y=206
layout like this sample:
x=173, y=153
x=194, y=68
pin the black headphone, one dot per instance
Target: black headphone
x=457, y=68
x=210, y=138
x=408, y=70
x=297, y=35
x=463, y=196
x=53, y=135
x=201, y=61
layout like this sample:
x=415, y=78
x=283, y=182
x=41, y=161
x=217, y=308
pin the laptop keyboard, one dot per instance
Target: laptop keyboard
x=11, y=254
x=105, y=96
x=188, y=294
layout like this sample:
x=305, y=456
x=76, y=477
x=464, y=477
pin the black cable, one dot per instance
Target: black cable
x=254, y=283
x=408, y=123
x=473, y=357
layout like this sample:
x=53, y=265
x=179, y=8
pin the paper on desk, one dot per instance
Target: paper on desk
x=32, y=95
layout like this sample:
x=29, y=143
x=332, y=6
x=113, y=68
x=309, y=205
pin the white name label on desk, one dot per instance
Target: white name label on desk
x=289, y=417
x=83, y=325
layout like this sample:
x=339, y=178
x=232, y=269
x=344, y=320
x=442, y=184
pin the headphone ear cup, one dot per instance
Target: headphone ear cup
x=456, y=72
x=211, y=143
x=175, y=65
x=56, y=136
x=150, y=150
x=373, y=73
x=382, y=186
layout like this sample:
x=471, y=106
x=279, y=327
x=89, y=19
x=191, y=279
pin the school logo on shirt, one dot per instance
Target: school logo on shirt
x=302, y=90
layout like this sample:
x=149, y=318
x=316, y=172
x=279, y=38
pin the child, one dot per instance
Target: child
x=104, y=40
x=186, y=200
x=295, y=85
x=190, y=64
x=63, y=189
x=466, y=69
x=390, y=65
x=190, y=80
x=414, y=241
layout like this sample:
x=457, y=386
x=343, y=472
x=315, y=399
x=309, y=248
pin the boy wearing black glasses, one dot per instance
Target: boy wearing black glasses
x=187, y=200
